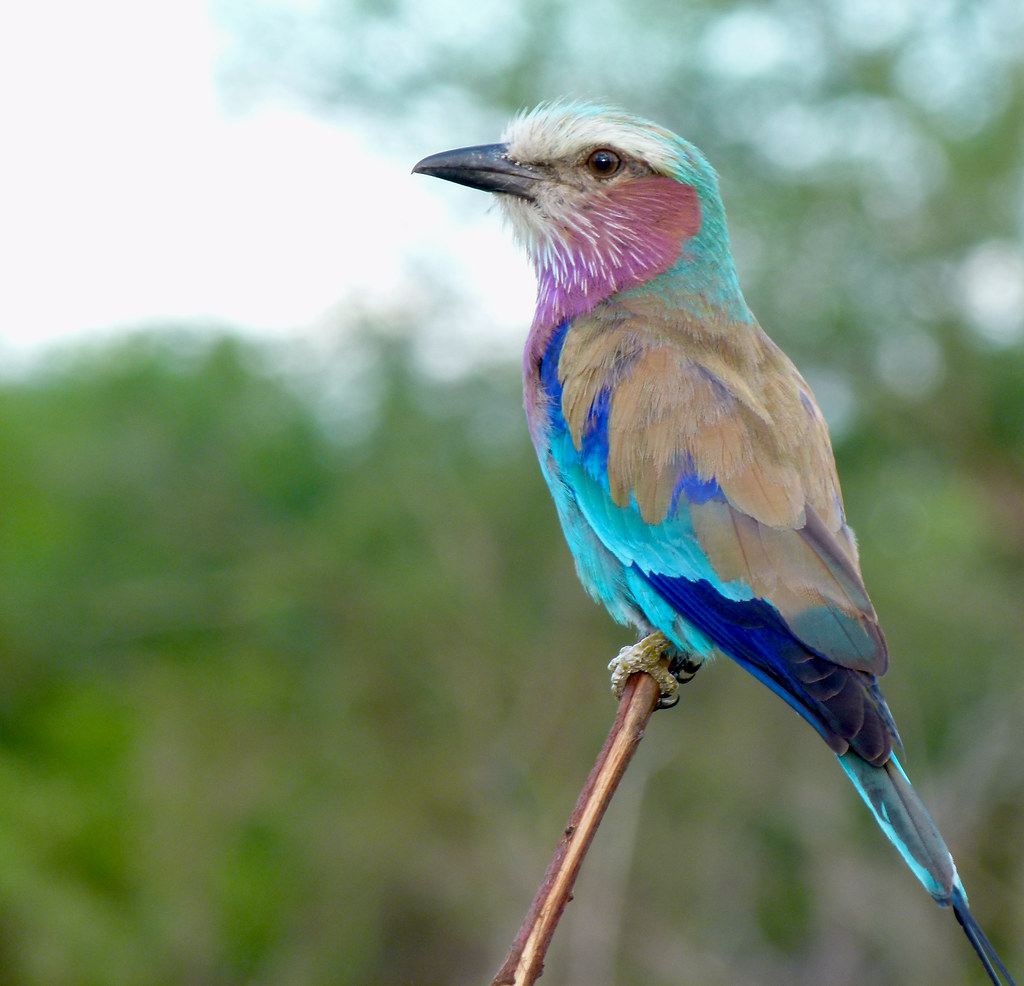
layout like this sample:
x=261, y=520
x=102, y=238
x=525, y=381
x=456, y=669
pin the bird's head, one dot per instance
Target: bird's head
x=603, y=202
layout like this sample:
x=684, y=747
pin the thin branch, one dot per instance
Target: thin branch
x=525, y=960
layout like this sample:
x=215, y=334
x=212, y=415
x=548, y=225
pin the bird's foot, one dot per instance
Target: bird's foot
x=650, y=656
x=684, y=667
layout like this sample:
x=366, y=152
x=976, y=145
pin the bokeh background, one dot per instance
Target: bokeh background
x=296, y=681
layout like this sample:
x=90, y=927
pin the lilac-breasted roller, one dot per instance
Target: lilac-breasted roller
x=690, y=465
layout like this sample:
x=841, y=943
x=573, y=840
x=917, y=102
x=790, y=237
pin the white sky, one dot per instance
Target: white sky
x=128, y=195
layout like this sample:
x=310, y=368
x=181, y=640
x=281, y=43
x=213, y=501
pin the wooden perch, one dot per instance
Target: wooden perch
x=525, y=960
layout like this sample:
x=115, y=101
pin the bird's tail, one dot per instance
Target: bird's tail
x=905, y=820
x=978, y=939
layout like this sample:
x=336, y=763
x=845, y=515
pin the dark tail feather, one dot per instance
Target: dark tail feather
x=910, y=828
x=992, y=963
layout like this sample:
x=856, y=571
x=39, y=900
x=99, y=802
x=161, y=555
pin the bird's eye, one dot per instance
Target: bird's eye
x=604, y=163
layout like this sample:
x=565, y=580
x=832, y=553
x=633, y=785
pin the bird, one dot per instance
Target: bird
x=690, y=465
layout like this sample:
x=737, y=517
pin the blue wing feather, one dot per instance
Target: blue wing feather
x=845, y=706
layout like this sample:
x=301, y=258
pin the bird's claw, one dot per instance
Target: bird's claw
x=648, y=655
x=683, y=668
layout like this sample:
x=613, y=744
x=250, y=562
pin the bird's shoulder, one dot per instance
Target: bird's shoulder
x=682, y=398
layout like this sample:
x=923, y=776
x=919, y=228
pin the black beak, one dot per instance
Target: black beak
x=486, y=167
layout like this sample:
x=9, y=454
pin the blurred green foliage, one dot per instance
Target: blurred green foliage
x=290, y=700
